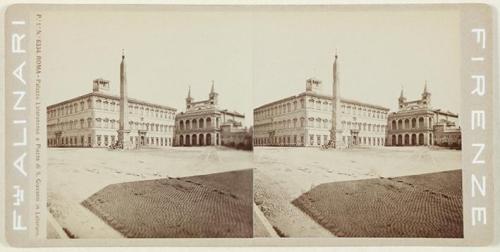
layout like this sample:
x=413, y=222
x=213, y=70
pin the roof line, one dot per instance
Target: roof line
x=323, y=96
x=112, y=97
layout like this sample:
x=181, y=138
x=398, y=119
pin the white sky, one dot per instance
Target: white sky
x=380, y=50
x=268, y=53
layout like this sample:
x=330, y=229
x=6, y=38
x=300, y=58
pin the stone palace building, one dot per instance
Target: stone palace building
x=315, y=119
x=92, y=120
x=417, y=123
x=305, y=120
x=202, y=123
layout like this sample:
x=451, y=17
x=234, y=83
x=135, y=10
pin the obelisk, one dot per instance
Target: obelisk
x=336, y=131
x=123, y=131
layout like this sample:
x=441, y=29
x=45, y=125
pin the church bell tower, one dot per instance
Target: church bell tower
x=189, y=99
x=426, y=96
x=213, y=97
x=402, y=99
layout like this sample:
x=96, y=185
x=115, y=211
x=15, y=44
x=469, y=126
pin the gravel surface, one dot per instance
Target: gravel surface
x=214, y=205
x=428, y=205
x=75, y=174
x=286, y=219
x=284, y=174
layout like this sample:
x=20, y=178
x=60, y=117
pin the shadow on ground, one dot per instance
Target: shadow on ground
x=213, y=205
x=427, y=205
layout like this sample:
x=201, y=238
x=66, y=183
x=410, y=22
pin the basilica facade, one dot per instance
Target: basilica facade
x=417, y=123
x=92, y=120
x=202, y=122
x=306, y=120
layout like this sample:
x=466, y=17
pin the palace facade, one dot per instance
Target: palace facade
x=92, y=120
x=202, y=122
x=417, y=123
x=306, y=120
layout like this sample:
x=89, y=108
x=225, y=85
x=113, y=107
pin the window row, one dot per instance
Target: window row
x=319, y=105
x=319, y=123
x=69, y=109
x=108, y=124
x=364, y=111
x=199, y=123
x=364, y=126
x=106, y=105
x=279, y=109
x=105, y=141
x=411, y=123
x=316, y=140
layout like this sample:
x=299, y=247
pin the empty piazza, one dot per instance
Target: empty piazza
x=196, y=180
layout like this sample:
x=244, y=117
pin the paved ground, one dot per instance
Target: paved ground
x=281, y=175
x=284, y=174
x=217, y=205
x=427, y=205
x=75, y=174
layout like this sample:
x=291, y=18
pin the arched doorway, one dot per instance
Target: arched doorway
x=201, y=138
x=421, y=139
x=420, y=123
x=193, y=140
x=400, y=140
x=187, y=141
x=200, y=123
x=431, y=141
x=209, y=138
x=413, y=139
x=208, y=122
x=407, y=140
x=394, y=141
x=194, y=124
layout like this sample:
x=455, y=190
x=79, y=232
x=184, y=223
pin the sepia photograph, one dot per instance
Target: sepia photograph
x=356, y=123
x=148, y=128
x=249, y=125
x=254, y=122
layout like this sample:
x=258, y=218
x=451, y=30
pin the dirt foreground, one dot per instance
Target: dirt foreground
x=284, y=174
x=75, y=174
